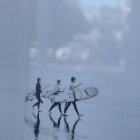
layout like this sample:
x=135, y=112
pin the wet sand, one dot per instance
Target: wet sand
x=11, y=116
x=99, y=122
x=103, y=119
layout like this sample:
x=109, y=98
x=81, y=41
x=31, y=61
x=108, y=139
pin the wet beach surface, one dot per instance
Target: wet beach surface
x=98, y=122
x=11, y=116
x=103, y=119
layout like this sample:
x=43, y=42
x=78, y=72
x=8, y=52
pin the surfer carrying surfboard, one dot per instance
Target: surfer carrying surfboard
x=72, y=87
x=38, y=91
x=57, y=90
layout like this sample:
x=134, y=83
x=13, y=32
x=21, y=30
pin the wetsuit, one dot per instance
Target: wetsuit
x=72, y=87
x=38, y=91
x=56, y=91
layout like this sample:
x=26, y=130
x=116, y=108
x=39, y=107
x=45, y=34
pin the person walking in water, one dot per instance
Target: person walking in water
x=38, y=91
x=72, y=87
x=57, y=90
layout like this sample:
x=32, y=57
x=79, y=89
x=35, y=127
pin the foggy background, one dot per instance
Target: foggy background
x=97, y=42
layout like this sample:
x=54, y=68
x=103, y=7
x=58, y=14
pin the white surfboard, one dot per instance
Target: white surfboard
x=67, y=95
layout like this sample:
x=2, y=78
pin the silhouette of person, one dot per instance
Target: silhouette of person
x=72, y=87
x=38, y=91
x=57, y=90
x=36, y=127
x=72, y=131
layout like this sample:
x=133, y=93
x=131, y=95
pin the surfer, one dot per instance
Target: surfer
x=38, y=91
x=57, y=90
x=72, y=87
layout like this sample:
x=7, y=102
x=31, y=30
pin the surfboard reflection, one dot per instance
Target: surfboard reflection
x=36, y=126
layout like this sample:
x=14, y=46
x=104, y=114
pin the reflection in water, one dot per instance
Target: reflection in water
x=70, y=132
x=67, y=128
x=36, y=127
x=55, y=125
x=58, y=130
x=73, y=129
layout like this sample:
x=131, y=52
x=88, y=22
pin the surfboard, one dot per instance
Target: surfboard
x=67, y=95
x=30, y=96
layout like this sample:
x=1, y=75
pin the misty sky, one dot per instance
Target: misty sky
x=69, y=28
x=60, y=24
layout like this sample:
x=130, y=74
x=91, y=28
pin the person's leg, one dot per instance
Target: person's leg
x=67, y=106
x=55, y=104
x=35, y=104
x=38, y=105
x=39, y=99
x=75, y=107
x=59, y=106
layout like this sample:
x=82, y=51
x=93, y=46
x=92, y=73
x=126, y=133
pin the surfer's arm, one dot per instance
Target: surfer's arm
x=58, y=91
x=77, y=85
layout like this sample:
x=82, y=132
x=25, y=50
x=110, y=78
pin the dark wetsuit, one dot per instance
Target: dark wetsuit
x=38, y=91
x=38, y=97
x=72, y=87
x=57, y=91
